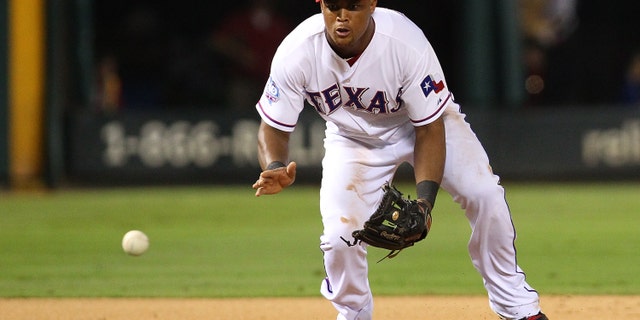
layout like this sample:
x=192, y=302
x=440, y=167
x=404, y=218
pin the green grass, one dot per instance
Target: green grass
x=224, y=242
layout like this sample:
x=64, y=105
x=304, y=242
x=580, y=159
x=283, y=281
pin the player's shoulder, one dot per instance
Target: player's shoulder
x=396, y=26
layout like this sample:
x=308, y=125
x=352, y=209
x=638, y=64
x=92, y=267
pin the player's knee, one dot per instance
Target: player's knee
x=338, y=241
x=476, y=196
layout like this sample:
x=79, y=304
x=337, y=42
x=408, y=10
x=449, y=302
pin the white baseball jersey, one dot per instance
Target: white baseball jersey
x=371, y=104
x=396, y=80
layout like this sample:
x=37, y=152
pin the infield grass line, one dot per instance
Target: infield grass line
x=221, y=241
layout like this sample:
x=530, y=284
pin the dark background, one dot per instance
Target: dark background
x=586, y=69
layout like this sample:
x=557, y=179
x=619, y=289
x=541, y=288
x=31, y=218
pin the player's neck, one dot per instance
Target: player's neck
x=354, y=52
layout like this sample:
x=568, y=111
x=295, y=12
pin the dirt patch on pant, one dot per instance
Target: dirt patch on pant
x=392, y=308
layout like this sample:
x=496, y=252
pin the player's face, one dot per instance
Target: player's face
x=349, y=26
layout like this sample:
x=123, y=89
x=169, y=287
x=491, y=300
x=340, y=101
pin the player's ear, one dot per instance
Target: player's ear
x=373, y=5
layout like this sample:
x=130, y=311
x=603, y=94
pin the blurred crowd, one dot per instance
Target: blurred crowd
x=152, y=54
x=218, y=57
x=581, y=53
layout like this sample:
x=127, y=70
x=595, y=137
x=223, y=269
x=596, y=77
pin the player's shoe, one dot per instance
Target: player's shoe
x=539, y=316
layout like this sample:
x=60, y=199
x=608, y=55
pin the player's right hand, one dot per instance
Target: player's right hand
x=273, y=181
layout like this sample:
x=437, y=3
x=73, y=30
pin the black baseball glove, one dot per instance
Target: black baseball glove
x=397, y=223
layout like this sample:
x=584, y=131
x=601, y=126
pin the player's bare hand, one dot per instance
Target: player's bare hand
x=273, y=181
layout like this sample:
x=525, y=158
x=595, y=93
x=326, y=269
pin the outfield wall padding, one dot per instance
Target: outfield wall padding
x=201, y=146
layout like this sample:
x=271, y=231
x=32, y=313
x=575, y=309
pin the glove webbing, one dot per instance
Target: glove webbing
x=389, y=199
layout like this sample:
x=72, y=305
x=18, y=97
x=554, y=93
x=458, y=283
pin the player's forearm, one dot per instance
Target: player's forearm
x=429, y=158
x=430, y=152
x=273, y=145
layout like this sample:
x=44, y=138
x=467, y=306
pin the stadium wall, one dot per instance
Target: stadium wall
x=198, y=146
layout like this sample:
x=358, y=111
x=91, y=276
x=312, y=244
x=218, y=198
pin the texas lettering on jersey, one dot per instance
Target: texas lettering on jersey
x=332, y=98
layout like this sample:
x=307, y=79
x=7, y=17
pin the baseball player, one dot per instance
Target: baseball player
x=372, y=75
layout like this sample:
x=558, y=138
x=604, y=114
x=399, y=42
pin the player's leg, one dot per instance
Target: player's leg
x=469, y=179
x=350, y=190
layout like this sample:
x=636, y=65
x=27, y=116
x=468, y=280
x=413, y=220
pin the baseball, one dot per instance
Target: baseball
x=135, y=242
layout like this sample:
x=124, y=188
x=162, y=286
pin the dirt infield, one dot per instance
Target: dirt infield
x=396, y=308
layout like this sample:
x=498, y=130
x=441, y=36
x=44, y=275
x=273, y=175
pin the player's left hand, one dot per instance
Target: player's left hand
x=397, y=223
x=273, y=181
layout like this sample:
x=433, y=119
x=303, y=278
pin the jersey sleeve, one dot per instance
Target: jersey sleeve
x=427, y=94
x=283, y=97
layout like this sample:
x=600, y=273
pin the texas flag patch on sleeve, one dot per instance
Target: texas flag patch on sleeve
x=431, y=84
